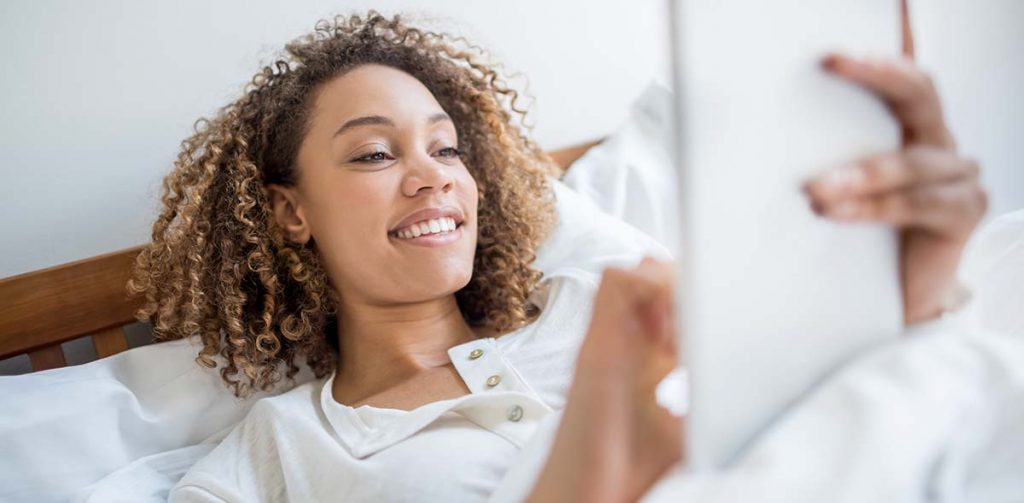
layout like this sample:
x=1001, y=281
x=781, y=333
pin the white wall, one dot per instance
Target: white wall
x=96, y=96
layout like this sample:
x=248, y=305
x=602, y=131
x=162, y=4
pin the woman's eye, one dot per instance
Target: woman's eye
x=373, y=157
x=450, y=152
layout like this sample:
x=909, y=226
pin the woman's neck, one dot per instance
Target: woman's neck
x=384, y=346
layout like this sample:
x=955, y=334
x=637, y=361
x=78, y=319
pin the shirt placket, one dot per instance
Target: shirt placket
x=501, y=401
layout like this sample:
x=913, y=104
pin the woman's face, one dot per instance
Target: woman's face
x=380, y=184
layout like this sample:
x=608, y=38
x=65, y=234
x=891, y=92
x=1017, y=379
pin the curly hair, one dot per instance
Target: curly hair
x=219, y=268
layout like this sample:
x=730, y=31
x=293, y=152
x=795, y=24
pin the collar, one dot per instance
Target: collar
x=500, y=400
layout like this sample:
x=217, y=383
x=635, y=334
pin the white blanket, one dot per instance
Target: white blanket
x=935, y=417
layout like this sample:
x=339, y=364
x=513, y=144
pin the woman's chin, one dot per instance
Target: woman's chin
x=424, y=285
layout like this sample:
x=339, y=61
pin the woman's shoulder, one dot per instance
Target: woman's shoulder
x=564, y=284
x=242, y=467
x=303, y=398
x=274, y=417
x=565, y=298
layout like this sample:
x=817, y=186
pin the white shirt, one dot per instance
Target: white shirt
x=305, y=446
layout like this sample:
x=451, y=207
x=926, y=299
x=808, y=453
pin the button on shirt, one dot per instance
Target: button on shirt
x=303, y=445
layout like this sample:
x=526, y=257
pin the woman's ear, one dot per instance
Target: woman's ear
x=288, y=213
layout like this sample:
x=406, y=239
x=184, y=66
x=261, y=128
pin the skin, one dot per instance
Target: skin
x=398, y=310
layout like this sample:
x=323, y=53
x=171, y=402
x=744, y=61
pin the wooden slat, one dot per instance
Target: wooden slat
x=908, y=32
x=566, y=156
x=109, y=342
x=51, y=357
x=42, y=308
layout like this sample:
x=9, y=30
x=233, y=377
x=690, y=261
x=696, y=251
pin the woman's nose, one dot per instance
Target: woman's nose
x=426, y=174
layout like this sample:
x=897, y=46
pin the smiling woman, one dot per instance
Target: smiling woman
x=371, y=206
x=285, y=232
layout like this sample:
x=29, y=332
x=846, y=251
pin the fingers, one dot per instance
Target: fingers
x=888, y=172
x=650, y=280
x=927, y=187
x=908, y=91
x=950, y=209
x=660, y=275
x=646, y=292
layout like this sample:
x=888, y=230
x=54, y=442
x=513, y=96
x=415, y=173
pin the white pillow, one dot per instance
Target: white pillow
x=629, y=175
x=65, y=428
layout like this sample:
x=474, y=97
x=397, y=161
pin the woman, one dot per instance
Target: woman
x=369, y=206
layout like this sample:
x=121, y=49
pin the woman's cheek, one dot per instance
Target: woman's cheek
x=470, y=194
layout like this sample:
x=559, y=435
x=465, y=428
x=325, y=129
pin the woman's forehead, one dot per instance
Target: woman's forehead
x=376, y=90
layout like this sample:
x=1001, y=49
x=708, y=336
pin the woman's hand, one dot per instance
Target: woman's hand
x=927, y=190
x=614, y=440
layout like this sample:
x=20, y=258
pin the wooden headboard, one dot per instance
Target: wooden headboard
x=40, y=310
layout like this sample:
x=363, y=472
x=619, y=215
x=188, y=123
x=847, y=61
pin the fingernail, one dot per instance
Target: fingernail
x=846, y=209
x=845, y=179
x=888, y=166
x=830, y=61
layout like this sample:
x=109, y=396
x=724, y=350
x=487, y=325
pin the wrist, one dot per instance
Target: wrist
x=951, y=299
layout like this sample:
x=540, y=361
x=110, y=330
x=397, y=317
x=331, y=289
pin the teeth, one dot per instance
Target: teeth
x=432, y=226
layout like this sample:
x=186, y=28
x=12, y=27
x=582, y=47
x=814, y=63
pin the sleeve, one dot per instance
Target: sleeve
x=949, y=321
x=243, y=468
x=519, y=480
x=207, y=480
x=89, y=421
x=993, y=268
x=194, y=494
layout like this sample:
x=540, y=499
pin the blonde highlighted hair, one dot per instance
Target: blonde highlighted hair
x=218, y=267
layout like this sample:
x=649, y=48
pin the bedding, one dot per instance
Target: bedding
x=937, y=416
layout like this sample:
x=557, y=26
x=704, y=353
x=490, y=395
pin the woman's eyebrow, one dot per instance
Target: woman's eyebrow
x=379, y=120
x=438, y=117
x=370, y=120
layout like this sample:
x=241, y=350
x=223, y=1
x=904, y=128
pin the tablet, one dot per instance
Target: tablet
x=773, y=298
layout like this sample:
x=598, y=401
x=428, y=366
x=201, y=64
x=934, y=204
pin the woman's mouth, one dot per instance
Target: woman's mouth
x=432, y=232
